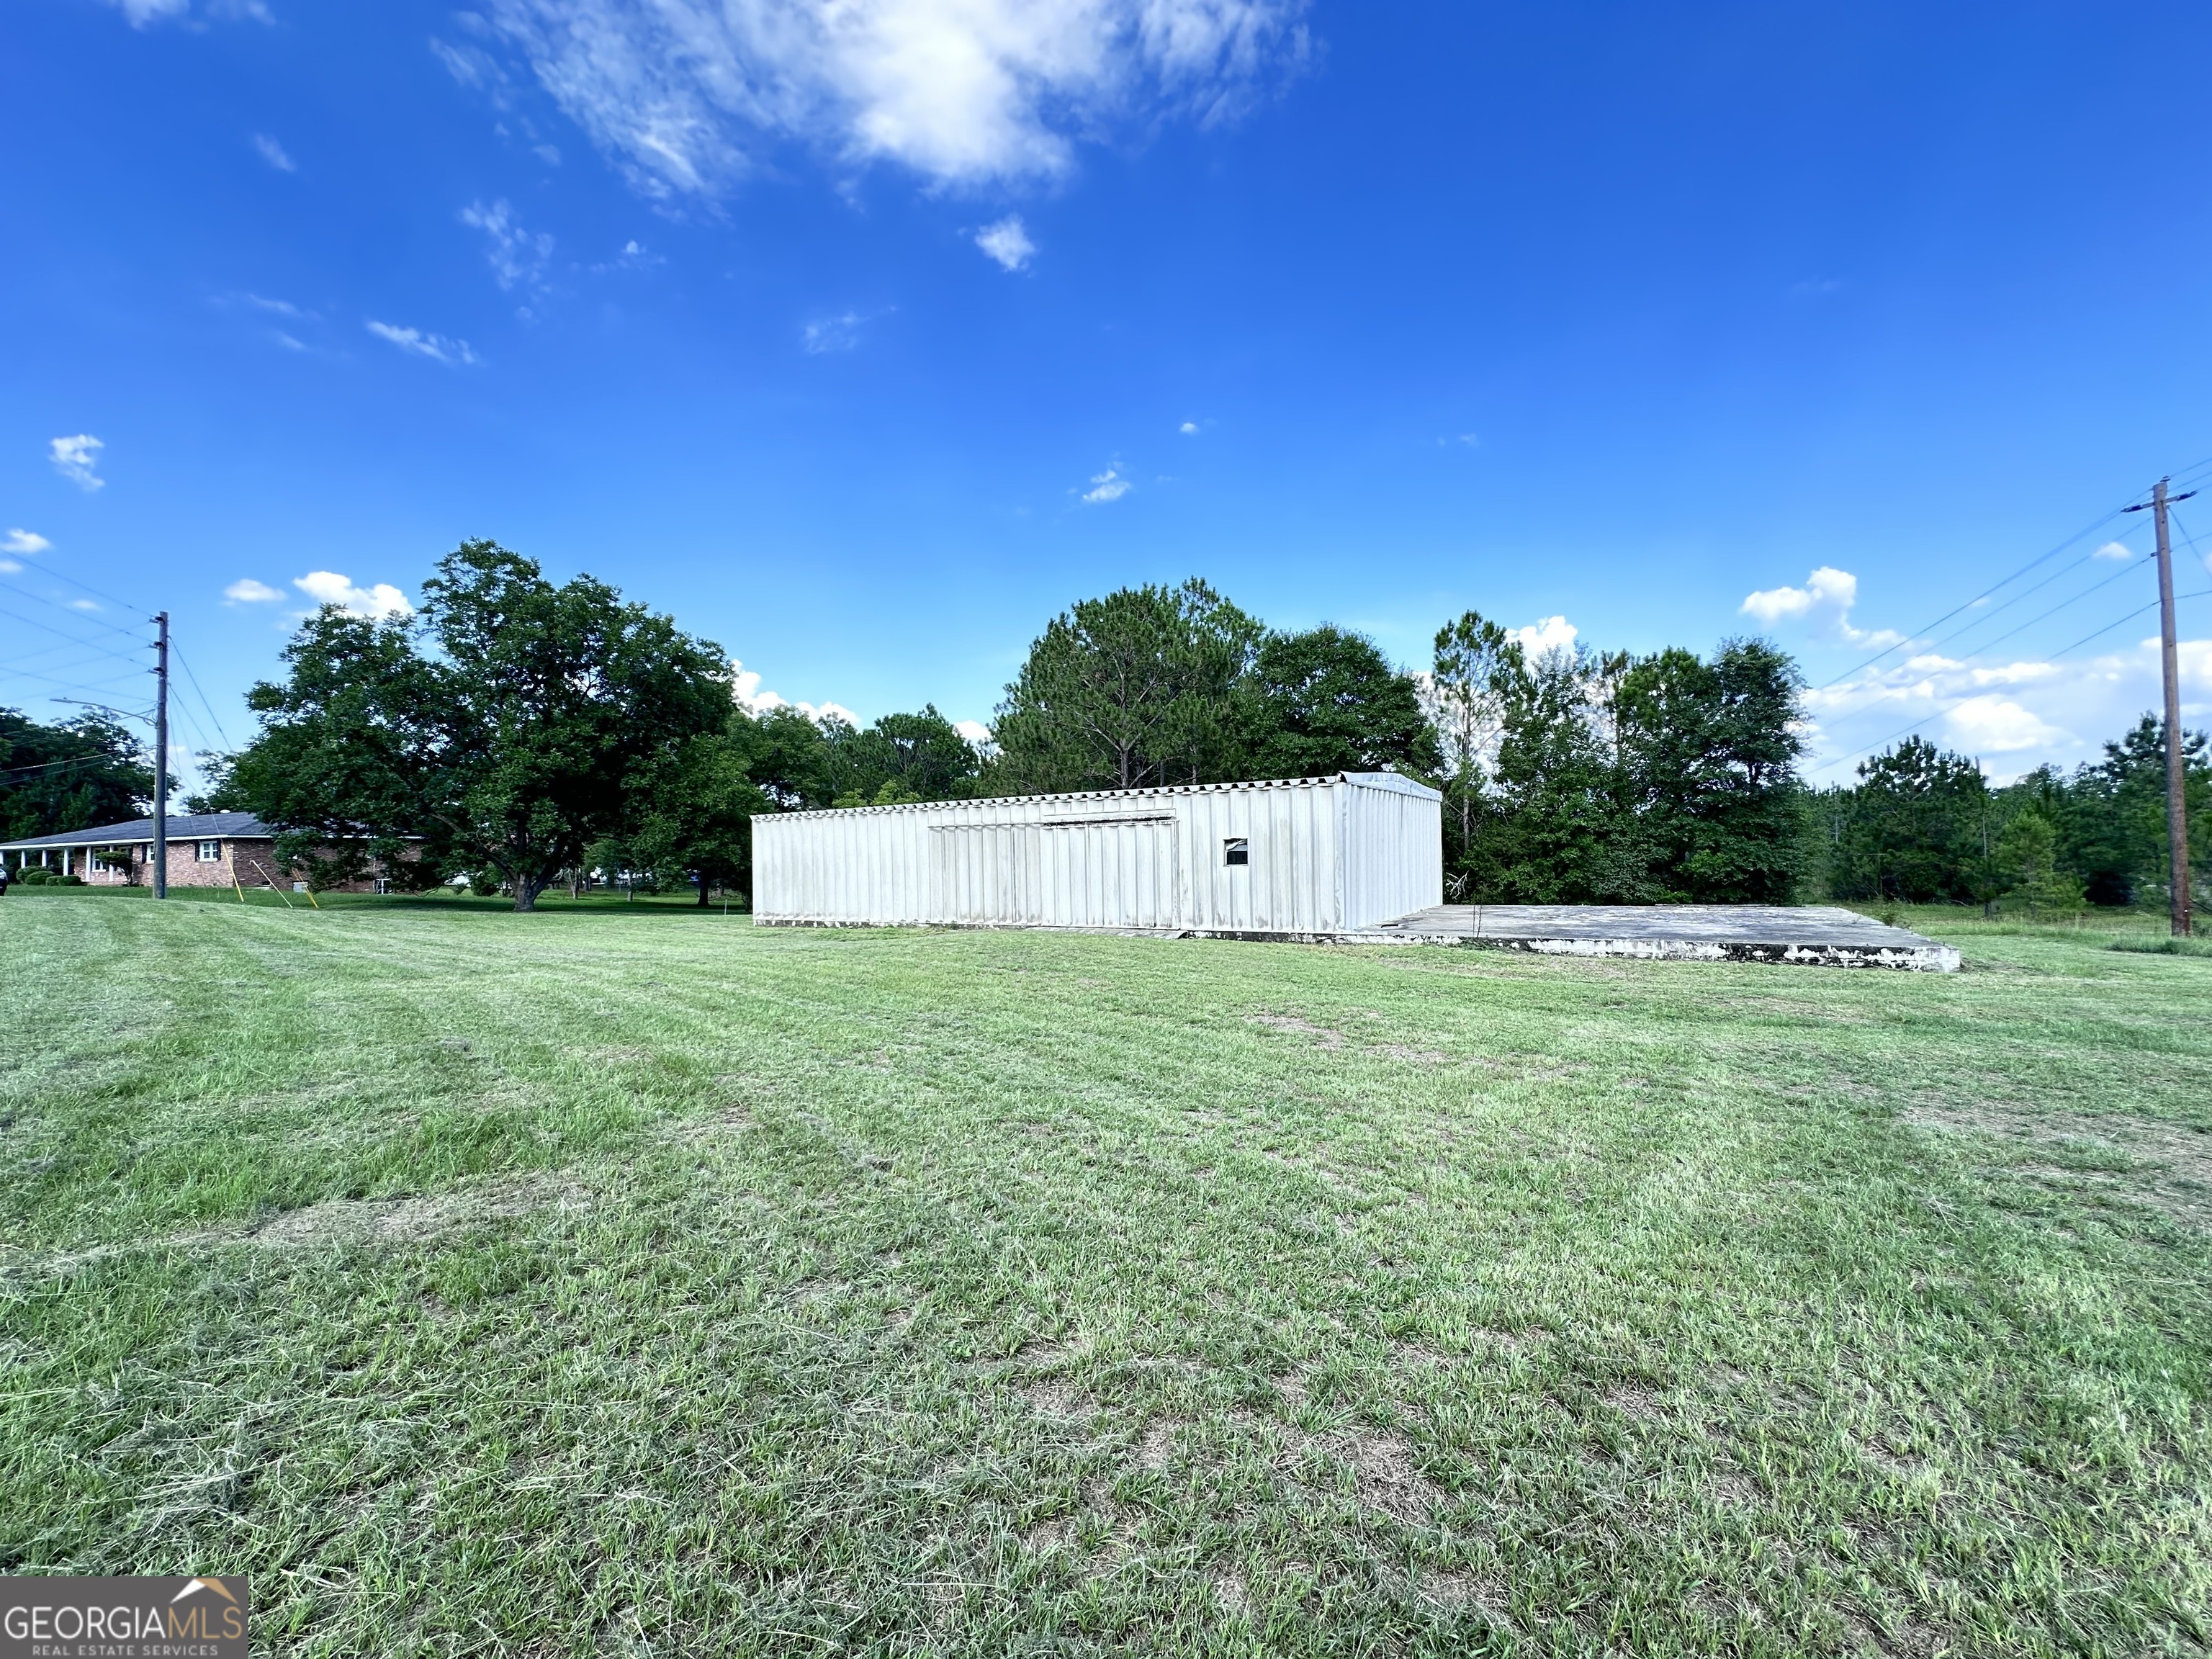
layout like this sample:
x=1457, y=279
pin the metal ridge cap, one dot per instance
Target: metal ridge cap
x=1072, y=794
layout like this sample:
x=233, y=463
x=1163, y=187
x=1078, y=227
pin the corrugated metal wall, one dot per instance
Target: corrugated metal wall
x=1325, y=855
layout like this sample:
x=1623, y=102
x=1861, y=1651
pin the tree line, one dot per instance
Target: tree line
x=520, y=733
x=1924, y=826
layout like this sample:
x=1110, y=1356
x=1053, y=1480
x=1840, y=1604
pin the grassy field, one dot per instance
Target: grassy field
x=599, y=1283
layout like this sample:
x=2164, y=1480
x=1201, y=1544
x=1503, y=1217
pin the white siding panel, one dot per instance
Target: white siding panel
x=1328, y=855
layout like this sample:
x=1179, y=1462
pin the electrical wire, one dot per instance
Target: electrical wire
x=39, y=598
x=194, y=680
x=1998, y=586
x=48, y=628
x=96, y=592
x=1933, y=714
x=66, y=685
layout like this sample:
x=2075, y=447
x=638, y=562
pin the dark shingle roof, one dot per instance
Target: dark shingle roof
x=183, y=826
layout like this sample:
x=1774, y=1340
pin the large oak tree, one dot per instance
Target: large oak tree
x=508, y=726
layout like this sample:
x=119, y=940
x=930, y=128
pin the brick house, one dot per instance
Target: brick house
x=206, y=849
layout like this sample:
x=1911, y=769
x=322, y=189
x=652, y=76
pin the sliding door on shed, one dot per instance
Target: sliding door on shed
x=1111, y=872
x=985, y=873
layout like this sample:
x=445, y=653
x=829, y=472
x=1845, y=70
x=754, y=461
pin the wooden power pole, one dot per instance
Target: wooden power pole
x=2177, y=775
x=162, y=758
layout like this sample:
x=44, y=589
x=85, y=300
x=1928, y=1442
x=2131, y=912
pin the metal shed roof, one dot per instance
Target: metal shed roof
x=1371, y=780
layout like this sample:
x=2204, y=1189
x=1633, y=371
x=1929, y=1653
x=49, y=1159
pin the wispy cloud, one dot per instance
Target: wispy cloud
x=1188, y=429
x=2112, y=550
x=518, y=257
x=76, y=459
x=246, y=591
x=436, y=347
x=24, y=541
x=1107, y=486
x=10, y=567
x=831, y=334
x=273, y=153
x=685, y=95
x=1828, y=592
x=140, y=13
x=328, y=588
x=1007, y=242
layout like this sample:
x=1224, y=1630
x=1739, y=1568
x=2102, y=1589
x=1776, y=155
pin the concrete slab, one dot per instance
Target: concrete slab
x=1812, y=935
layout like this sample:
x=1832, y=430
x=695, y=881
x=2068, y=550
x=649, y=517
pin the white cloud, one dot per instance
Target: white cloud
x=328, y=588
x=246, y=591
x=140, y=13
x=1188, y=429
x=273, y=153
x=1997, y=725
x=10, y=567
x=518, y=257
x=1552, y=633
x=2112, y=550
x=281, y=307
x=1828, y=591
x=975, y=732
x=288, y=342
x=1107, y=486
x=745, y=687
x=1007, y=242
x=689, y=95
x=83, y=604
x=829, y=334
x=143, y=12
x=24, y=541
x=435, y=347
x=75, y=458
x=1826, y=585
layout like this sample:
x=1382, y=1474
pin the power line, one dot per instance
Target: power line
x=96, y=592
x=1995, y=588
x=1882, y=743
x=70, y=609
x=66, y=685
x=194, y=681
x=48, y=628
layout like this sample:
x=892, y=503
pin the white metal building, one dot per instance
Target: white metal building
x=1304, y=857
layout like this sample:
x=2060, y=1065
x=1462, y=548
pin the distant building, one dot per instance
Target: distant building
x=206, y=849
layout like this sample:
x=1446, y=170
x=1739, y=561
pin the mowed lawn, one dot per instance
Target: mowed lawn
x=646, y=1283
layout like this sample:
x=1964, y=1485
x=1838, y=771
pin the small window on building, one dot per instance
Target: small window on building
x=211, y=852
x=1236, y=850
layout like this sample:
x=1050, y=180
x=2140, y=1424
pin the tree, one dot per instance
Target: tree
x=516, y=738
x=1913, y=828
x=2027, y=865
x=1554, y=832
x=220, y=790
x=1134, y=689
x=1707, y=753
x=901, y=758
x=1326, y=700
x=86, y=771
x=691, y=814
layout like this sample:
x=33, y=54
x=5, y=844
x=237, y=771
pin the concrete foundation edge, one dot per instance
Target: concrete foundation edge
x=1924, y=959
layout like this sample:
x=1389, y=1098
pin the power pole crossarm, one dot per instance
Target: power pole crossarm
x=162, y=758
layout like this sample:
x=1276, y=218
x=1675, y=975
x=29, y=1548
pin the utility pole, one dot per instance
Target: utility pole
x=161, y=755
x=2176, y=776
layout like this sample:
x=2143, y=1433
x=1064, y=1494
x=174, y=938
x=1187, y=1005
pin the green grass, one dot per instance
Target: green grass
x=644, y=1283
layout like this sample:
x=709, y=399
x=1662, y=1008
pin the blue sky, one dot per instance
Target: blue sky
x=864, y=341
